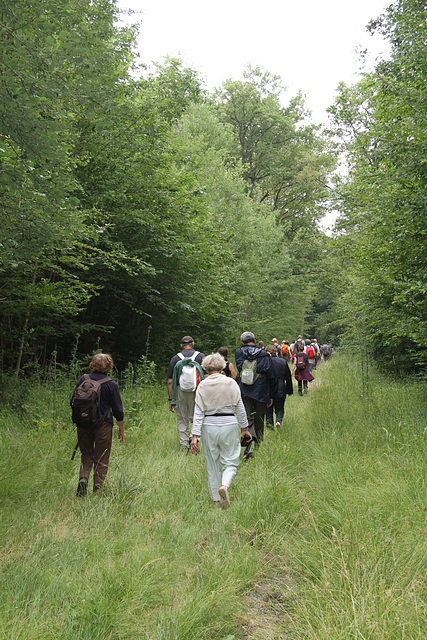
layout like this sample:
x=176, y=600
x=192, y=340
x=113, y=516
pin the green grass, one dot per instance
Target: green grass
x=325, y=538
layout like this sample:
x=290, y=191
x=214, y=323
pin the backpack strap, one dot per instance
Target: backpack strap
x=181, y=356
x=87, y=377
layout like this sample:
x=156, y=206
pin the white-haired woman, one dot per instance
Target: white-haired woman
x=218, y=412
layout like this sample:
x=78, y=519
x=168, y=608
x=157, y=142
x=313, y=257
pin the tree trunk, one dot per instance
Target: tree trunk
x=24, y=332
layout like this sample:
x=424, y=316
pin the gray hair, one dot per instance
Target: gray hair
x=213, y=362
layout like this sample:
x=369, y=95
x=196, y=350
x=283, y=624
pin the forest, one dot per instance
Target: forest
x=138, y=207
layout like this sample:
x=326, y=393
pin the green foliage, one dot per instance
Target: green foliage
x=60, y=63
x=243, y=243
x=285, y=161
x=383, y=122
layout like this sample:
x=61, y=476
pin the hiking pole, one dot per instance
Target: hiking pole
x=76, y=447
x=75, y=450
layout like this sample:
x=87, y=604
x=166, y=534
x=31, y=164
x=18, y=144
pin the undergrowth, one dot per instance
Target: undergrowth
x=324, y=540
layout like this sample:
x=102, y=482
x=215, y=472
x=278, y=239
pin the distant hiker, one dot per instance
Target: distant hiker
x=94, y=420
x=316, y=348
x=284, y=388
x=309, y=349
x=300, y=368
x=326, y=351
x=286, y=350
x=218, y=412
x=258, y=385
x=278, y=346
x=184, y=374
x=229, y=369
x=299, y=341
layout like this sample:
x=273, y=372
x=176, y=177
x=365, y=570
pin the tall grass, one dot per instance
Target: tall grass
x=325, y=537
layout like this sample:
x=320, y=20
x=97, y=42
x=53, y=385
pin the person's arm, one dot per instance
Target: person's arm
x=288, y=381
x=117, y=408
x=171, y=407
x=242, y=419
x=232, y=371
x=196, y=428
x=121, y=430
x=239, y=358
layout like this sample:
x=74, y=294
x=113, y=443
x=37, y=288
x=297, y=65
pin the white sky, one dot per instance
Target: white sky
x=310, y=44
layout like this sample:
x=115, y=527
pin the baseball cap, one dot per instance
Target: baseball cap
x=187, y=340
x=247, y=336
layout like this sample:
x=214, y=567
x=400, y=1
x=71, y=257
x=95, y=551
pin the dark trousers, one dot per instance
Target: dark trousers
x=279, y=409
x=255, y=412
x=95, y=448
x=300, y=386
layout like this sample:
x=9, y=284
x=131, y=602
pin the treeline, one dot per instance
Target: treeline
x=382, y=124
x=138, y=205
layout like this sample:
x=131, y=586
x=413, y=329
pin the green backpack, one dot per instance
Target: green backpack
x=248, y=374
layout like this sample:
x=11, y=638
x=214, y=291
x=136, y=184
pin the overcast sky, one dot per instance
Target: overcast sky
x=310, y=44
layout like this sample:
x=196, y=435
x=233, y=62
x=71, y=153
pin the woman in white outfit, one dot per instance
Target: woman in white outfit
x=218, y=412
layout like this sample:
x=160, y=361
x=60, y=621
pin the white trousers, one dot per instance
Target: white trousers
x=184, y=410
x=221, y=448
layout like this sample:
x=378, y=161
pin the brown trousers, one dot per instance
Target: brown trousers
x=95, y=448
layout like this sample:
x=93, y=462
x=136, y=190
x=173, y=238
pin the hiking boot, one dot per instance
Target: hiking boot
x=223, y=494
x=277, y=425
x=82, y=488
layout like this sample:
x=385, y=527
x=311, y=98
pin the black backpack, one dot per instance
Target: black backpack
x=86, y=403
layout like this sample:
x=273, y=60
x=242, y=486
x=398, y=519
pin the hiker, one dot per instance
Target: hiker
x=300, y=368
x=275, y=342
x=218, y=412
x=297, y=342
x=229, y=369
x=284, y=388
x=258, y=385
x=181, y=401
x=286, y=351
x=316, y=348
x=95, y=442
x=309, y=349
x=326, y=351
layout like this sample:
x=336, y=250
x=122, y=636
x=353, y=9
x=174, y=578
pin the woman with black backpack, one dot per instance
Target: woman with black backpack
x=301, y=370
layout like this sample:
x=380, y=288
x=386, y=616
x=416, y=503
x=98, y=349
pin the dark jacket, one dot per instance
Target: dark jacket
x=284, y=377
x=265, y=387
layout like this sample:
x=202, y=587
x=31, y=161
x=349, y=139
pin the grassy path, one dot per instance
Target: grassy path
x=325, y=538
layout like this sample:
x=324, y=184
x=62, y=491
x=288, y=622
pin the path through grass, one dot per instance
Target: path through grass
x=325, y=538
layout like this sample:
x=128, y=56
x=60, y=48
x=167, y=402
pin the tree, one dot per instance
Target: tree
x=60, y=63
x=383, y=119
x=286, y=162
